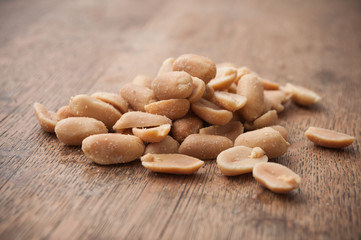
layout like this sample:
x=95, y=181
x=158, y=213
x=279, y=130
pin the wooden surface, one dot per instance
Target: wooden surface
x=51, y=50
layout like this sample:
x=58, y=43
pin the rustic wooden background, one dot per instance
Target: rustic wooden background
x=51, y=50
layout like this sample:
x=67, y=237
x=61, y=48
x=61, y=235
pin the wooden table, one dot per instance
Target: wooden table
x=52, y=50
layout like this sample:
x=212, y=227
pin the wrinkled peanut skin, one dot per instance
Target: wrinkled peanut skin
x=172, y=85
x=137, y=96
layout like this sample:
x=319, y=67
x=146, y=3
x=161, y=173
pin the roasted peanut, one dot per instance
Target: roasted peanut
x=204, y=146
x=171, y=163
x=226, y=64
x=241, y=71
x=112, y=148
x=186, y=126
x=113, y=99
x=153, y=134
x=137, y=96
x=167, y=66
x=231, y=130
x=230, y=101
x=143, y=80
x=283, y=131
x=63, y=112
x=224, y=78
x=211, y=113
x=87, y=106
x=172, y=85
x=239, y=160
x=73, y=130
x=46, y=119
x=270, y=140
x=171, y=108
x=328, y=138
x=197, y=66
x=269, y=85
x=208, y=92
x=199, y=87
x=167, y=145
x=276, y=177
x=303, y=96
x=232, y=88
x=276, y=97
x=268, y=119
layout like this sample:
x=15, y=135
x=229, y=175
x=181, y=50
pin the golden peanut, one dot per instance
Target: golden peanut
x=269, y=85
x=204, y=146
x=63, y=112
x=276, y=177
x=186, y=126
x=232, y=88
x=167, y=66
x=113, y=99
x=171, y=108
x=268, y=119
x=199, y=87
x=153, y=134
x=143, y=80
x=303, y=96
x=211, y=113
x=283, y=131
x=328, y=138
x=137, y=96
x=140, y=119
x=270, y=140
x=239, y=160
x=87, y=106
x=224, y=78
x=171, y=163
x=46, y=119
x=231, y=130
x=230, y=101
x=112, y=148
x=241, y=71
x=208, y=93
x=277, y=98
x=197, y=66
x=73, y=130
x=251, y=87
x=167, y=145
x=172, y=85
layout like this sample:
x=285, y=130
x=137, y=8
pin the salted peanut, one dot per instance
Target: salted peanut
x=211, y=113
x=140, y=119
x=270, y=140
x=250, y=86
x=224, y=78
x=167, y=66
x=46, y=119
x=137, y=96
x=73, y=130
x=167, y=145
x=267, y=105
x=171, y=163
x=204, y=146
x=208, y=93
x=197, y=66
x=113, y=99
x=269, y=85
x=277, y=98
x=172, y=85
x=153, y=134
x=283, y=131
x=303, y=96
x=112, y=148
x=233, y=88
x=328, y=138
x=230, y=101
x=239, y=160
x=186, y=126
x=171, y=108
x=268, y=119
x=199, y=87
x=87, y=106
x=63, y=112
x=231, y=130
x=143, y=80
x=241, y=71
x=276, y=177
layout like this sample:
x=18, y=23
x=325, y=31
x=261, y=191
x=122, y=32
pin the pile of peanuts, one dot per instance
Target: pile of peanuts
x=193, y=110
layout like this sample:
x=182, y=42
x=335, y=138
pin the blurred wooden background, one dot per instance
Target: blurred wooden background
x=51, y=50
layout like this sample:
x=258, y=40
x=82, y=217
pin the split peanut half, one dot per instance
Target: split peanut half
x=328, y=138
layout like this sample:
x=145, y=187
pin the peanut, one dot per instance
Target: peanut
x=199, y=87
x=137, y=96
x=328, y=138
x=208, y=92
x=303, y=96
x=113, y=99
x=153, y=134
x=46, y=119
x=268, y=119
x=269, y=85
x=167, y=66
x=167, y=145
x=143, y=80
x=231, y=130
x=171, y=108
x=283, y=131
x=63, y=112
x=186, y=126
x=276, y=97
x=172, y=85
x=211, y=113
x=224, y=78
x=230, y=101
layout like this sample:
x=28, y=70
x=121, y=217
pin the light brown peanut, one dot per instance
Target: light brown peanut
x=232, y=88
x=186, y=126
x=143, y=80
x=137, y=96
x=303, y=96
x=211, y=112
x=250, y=86
x=112, y=148
x=224, y=78
x=87, y=106
x=113, y=99
x=241, y=71
x=171, y=163
x=276, y=177
x=239, y=160
x=73, y=130
x=269, y=85
x=226, y=64
x=197, y=66
x=208, y=93
x=277, y=98
x=140, y=119
x=172, y=85
x=230, y=101
x=46, y=119
x=270, y=140
x=167, y=145
x=283, y=131
x=199, y=87
x=231, y=130
x=268, y=119
x=63, y=112
x=328, y=138
x=153, y=134
x=171, y=108
x=167, y=66
x=204, y=146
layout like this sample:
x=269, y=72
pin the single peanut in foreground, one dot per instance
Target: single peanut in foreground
x=46, y=119
x=276, y=177
x=328, y=138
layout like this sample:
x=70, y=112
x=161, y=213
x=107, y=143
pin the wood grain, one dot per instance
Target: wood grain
x=52, y=50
